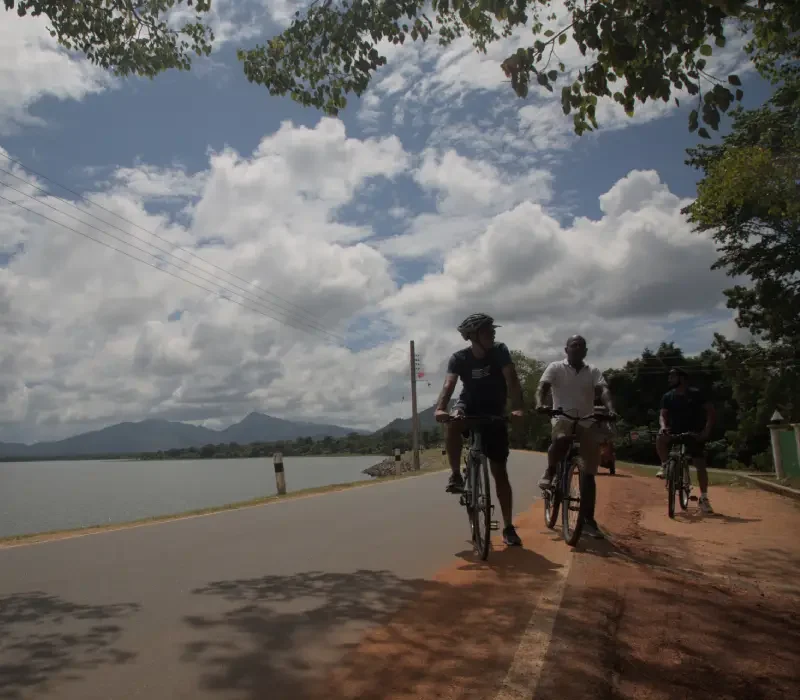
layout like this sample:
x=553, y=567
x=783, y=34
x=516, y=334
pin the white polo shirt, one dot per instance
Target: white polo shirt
x=573, y=391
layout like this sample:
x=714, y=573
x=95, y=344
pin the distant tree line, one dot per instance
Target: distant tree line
x=352, y=444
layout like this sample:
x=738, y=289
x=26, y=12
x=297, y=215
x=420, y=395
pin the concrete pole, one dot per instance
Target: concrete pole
x=280, y=476
x=414, y=416
x=777, y=459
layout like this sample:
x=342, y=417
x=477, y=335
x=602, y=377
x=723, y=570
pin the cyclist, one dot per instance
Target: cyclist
x=574, y=386
x=488, y=375
x=685, y=409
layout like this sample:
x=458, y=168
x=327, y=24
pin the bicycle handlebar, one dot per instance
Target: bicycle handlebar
x=557, y=412
x=477, y=419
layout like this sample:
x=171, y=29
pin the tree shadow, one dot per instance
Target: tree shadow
x=43, y=637
x=367, y=631
x=695, y=515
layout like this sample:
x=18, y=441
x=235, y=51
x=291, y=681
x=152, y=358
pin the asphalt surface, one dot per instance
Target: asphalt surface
x=246, y=604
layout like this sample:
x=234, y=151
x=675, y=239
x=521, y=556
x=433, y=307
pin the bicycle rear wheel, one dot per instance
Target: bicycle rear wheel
x=672, y=486
x=685, y=485
x=571, y=516
x=482, y=512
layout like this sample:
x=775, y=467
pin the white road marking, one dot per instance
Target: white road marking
x=526, y=668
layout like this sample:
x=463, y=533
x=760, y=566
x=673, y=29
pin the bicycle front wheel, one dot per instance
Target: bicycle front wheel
x=552, y=502
x=672, y=486
x=482, y=497
x=571, y=516
x=686, y=485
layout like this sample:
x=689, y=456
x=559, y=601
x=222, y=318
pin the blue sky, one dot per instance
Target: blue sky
x=388, y=229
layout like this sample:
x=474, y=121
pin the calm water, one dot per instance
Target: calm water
x=42, y=496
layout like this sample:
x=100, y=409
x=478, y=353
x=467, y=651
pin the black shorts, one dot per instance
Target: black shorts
x=494, y=439
x=695, y=448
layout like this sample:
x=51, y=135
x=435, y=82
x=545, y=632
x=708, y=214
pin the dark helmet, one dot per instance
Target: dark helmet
x=679, y=371
x=473, y=323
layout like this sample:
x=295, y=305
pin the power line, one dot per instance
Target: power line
x=132, y=223
x=210, y=277
x=287, y=322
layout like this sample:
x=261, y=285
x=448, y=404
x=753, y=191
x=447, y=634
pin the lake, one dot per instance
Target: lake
x=43, y=496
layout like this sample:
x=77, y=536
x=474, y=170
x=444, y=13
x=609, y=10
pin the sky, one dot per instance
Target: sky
x=272, y=259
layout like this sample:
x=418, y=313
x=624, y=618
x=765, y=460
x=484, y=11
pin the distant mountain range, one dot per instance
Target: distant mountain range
x=427, y=421
x=154, y=435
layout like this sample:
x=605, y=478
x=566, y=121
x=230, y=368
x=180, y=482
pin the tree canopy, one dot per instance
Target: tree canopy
x=749, y=199
x=127, y=37
x=634, y=50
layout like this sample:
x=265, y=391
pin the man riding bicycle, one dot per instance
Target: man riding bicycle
x=574, y=386
x=488, y=375
x=685, y=409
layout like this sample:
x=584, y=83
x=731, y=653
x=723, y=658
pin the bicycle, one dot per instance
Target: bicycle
x=560, y=490
x=676, y=472
x=476, y=495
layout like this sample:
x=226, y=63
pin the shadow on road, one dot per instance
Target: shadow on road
x=44, y=638
x=279, y=631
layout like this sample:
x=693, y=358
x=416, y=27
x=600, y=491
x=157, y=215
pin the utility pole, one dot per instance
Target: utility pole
x=414, y=416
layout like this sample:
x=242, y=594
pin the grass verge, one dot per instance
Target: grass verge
x=714, y=478
x=430, y=461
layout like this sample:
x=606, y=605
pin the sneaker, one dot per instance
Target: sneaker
x=705, y=505
x=660, y=473
x=546, y=481
x=591, y=529
x=455, y=484
x=510, y=537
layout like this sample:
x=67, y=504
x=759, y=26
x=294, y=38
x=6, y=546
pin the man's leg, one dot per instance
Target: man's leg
x=495, y=447
x=590, y=439
x=702, y=478
x=662, y=449
x=559, y=445
x=453, y=443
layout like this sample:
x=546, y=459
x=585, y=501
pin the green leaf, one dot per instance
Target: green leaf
x=549, y=33
x=703, y=133
x=694, y=120
x=734, y=80
x=553, y=75
x=720, y=41
x=701, y=64
x=739, y=95
x=562, y=39
x=705, y=50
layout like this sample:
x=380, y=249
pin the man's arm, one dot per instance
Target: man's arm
x=663, y=420
x=711, y=417
x=510, y=375
x=663, y=415
x=601, y=390
x=542, y=394
x=514, y=387
x=449, y=386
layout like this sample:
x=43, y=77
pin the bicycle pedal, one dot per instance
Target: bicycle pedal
x=495, y=525
x=694, y=498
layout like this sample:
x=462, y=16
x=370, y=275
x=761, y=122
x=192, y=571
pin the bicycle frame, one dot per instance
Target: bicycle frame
x=560, y=493
x=476, y=478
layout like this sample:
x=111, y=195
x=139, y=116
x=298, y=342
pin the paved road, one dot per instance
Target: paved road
x=245, y=604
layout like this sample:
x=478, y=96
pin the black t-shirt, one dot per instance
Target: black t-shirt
x=484, y=389
x=686, y=413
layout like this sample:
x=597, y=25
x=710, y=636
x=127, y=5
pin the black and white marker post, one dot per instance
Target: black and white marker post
x=280, y=477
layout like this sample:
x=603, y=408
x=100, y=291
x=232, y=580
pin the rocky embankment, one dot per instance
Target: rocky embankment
x=388, y=467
